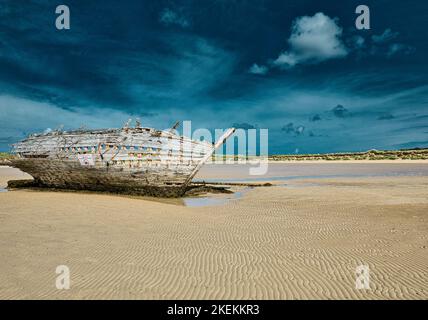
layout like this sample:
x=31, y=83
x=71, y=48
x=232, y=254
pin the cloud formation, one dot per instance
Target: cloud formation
x=358, y=42
x=170, y=17
x=290, y=128
x=315, y=117
x=256, y=69
x=386, y=116
x=381, y=45
x=313, y=40
x=244, y=125
x=193, y=61
x=399, y=48
x=386, y=36
x=340, y=111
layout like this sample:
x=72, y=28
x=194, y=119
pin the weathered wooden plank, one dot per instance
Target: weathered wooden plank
x=114, y=158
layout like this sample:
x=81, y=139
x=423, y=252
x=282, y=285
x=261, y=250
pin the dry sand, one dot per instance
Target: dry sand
x=300, y=241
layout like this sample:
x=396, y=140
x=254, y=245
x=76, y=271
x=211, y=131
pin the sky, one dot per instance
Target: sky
x=299, y=68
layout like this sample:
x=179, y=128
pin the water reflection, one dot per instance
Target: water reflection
x=214, y=200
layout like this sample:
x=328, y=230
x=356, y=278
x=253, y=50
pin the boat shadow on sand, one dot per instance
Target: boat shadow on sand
x=196, y=194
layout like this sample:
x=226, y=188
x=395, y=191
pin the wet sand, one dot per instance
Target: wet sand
x=300, y=239
x=281, y=171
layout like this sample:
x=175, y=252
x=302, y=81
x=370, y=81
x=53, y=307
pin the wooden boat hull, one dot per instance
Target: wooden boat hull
x=134, y=161
x=70, y=175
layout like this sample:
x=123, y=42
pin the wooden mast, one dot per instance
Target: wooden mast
x=219, y=142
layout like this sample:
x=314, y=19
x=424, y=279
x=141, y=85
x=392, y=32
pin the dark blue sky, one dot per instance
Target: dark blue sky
x=299, y=68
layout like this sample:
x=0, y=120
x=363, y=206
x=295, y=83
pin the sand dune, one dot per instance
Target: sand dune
x=301, y=241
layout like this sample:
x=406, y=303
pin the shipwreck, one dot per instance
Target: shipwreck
x=132, y=160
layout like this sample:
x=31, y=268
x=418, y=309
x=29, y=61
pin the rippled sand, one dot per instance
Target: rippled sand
x=298, y=241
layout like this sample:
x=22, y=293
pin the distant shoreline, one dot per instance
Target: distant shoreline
x=398, y=161
x=419, y=155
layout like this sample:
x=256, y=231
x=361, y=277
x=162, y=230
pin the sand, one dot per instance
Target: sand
x=301, y=240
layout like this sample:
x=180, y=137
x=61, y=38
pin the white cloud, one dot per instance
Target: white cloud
x=386, y=36
x=313, y=39
x=379, y=45
x=22, y=116
x=27, y=115
x=357, y=42
x=256, y=69
x=170, y=17
x=398, y=48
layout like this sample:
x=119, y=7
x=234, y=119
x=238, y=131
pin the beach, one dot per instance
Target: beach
x=301, y=238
